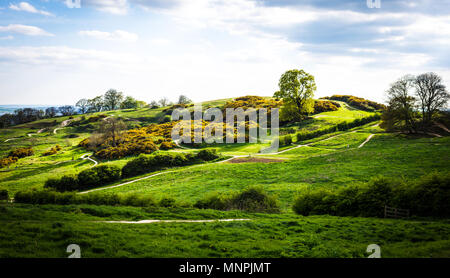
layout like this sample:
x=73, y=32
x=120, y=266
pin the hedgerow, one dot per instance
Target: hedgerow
x=89, y=178
x=306, y=135
x=150, y=163
x=253, y=199
x=427, y=196
x=95, y=198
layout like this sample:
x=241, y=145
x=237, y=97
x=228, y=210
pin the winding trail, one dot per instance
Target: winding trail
x=7, y=140
x=63, y=124
x=367, y=140
x=222, y=161
x=87, y=156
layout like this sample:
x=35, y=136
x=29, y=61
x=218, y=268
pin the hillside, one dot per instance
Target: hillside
x=329, y=150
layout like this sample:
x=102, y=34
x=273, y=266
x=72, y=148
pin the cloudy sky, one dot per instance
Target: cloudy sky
x=58, y=51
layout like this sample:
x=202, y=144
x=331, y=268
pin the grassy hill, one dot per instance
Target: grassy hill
x=330, y=161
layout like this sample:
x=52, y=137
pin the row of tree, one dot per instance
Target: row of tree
x=111, y=100
x=414, y=102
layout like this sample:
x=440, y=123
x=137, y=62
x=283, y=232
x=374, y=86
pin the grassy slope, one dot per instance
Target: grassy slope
x=46, y=231
x=384, y=155
x=33, y=230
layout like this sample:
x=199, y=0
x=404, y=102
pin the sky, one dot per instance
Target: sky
x=55, y=52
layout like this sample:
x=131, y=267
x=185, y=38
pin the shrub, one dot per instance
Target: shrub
x=98, y=176
x=4, y=162
x=65, y=183
x=253, y=199
x=358, y=102
x=428, y=196
x=167, y=145
x=21, y=152
x=312, y=202
x=95, y=198
x=325, y=106
x=215, y=200
x=431, y=195
x=149, y=163
x=167, y=202
x=52, y=150
x=208, y=154
x=4, y=194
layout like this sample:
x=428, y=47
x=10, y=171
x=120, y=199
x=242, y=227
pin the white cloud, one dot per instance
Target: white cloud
x=109, y=6
x=73, y=4
x=25, y=30
x=26, y=7
x=118, y=35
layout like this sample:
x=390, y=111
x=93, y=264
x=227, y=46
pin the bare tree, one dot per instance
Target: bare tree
x=164, y=102
x=431, y=94
x=111, y=128
x=96, y=104
x=66, y=110
x=83, y=105
x=401, y=103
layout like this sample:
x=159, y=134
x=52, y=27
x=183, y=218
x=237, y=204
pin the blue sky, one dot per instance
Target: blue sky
x=52, y=52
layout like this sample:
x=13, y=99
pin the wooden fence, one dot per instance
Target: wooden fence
x=395, y=212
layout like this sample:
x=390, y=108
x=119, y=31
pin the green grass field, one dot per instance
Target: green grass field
x=329, y=161
x=46, y=231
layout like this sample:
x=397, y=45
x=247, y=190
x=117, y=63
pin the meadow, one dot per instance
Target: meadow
x=329, y=161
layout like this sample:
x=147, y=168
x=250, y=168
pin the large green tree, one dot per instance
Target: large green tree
x=297, y=88
x=112, y=99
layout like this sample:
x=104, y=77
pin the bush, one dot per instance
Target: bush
x=21, y=152
x=428, y=196
x=98, y=176
x=215, y=200
x=325, y=106
x=95, y=198
x=166, y=145
x=4, y=194
x=52, y=150
x=431, y=195
x=93, y=177
x=208, y=154
x=150, y=163
x=358, y=102
x=252, y=199
x=65, y=183
x=4, y=162
x=167, y=202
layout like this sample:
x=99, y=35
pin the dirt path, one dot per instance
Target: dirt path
x=39, y=131
x=172, y=221
x=63, y=124
x=87, y=156
x=222, y=161
x=7, y=140
x=367, y=140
